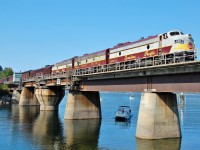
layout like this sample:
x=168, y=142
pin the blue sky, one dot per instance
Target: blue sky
x=35, y=33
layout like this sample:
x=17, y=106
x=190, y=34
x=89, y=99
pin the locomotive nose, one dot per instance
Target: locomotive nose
x=190, y=37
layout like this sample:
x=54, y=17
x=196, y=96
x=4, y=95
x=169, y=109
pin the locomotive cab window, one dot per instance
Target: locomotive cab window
x=165, y=36
x=119, y=53
x=174, y=33
x=148, y=46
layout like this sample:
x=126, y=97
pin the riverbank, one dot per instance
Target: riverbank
x=5, y=97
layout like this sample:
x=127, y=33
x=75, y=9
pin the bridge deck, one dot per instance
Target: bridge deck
x=180, y=77
x=177, y=77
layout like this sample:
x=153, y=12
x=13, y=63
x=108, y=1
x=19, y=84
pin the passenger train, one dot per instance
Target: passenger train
x=15, y=78
x=169, y=47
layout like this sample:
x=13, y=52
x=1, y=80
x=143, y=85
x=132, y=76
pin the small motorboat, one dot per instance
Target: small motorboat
x=131, y=97
x=123, y=113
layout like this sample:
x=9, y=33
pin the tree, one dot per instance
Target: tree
x=6, y=72
x=4, y=87
x=1, y=68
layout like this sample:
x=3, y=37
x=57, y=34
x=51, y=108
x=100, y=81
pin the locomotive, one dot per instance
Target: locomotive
x=165, y=48
x=169, y=47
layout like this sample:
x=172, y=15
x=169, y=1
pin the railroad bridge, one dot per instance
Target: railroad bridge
x=158, y=115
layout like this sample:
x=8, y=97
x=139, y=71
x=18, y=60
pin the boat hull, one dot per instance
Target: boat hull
x=121, y=119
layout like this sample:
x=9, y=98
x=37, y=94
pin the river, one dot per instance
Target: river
x=26, y=127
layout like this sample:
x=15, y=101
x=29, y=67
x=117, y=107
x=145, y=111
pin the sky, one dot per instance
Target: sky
x=35, y=33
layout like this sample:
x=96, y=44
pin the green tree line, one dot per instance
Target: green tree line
x=1, y=68
x=3, y=74
x=6, y=72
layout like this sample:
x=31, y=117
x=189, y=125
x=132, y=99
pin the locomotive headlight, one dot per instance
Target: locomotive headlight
x=190, y=45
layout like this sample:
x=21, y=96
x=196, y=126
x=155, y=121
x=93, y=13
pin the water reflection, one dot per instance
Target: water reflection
x=182, y=109
x=5, y=106
x=47, y=130
x=123, y=124
x=23, y=117
x=27, y=114
x=15, y=110
x=163, y=144
x=82, y=134
x=21, y=121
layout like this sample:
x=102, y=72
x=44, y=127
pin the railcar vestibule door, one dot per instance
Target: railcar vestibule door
x=160, y=45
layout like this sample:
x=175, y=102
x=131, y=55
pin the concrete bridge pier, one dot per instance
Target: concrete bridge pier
x=49, y=97
x=83, y=105
x=28, y=97
x=158, y=116
x=16, y=96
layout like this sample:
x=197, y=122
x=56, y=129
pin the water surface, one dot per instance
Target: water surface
x=29, y=128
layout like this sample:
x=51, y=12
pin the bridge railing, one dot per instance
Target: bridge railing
x=119, y=66
x=49, y=76
x=136, y=64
